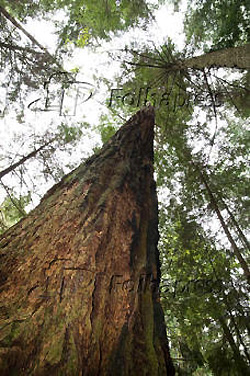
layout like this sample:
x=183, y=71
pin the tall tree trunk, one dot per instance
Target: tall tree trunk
x=242, y=366
x=234, y=57
x=242, y=236
x=215, y=206
x=80, y=274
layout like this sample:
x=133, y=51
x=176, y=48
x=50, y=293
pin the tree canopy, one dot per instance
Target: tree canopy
x=201, y=97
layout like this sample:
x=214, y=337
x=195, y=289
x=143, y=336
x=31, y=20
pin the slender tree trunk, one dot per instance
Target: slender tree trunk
x=239, y=335
x=242, y=366
x=50, y=57
x=25, y=32
x=235, y=248
x=21, y=161
x=242, y=236
x=80, y=274
x=229, y=311
x=13, y=47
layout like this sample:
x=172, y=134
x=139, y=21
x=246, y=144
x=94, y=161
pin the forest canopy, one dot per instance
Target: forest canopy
x=120, y=55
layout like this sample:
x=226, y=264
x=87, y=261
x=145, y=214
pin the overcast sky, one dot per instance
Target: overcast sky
x=167, y=24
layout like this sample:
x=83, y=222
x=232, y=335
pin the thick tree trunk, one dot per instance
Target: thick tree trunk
x=80, y=274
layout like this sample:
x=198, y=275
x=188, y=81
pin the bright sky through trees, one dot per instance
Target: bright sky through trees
x=167, y=24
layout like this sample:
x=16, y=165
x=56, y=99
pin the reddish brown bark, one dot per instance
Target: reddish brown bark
x=80, y=275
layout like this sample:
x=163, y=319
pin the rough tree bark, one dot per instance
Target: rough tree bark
x=80, y=274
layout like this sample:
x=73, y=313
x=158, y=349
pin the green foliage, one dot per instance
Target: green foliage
x=106, y=128
x=222, y=22
x=99, y=18
x=12, y=209
x=69, y=134
x=107, y=132
x=196, y=293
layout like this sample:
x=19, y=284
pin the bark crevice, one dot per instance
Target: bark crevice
x=83, y=270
